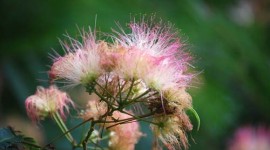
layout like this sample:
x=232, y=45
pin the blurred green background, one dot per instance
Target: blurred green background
x=229, y=39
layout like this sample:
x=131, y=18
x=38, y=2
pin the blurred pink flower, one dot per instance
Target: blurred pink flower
x=250, y=138
x=124, y=136
x=94, y=109
x=47, y=101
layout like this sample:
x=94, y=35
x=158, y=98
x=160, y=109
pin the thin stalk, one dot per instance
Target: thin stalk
x=105, y=90
x=143, y=94
x=102, y=129
x=85, y=141
x=127, y=119
x=145, y=98
x=68, y=131
x=31, y=144
x=82, y=134
x=130, y=89
x=57, y=118
x=104, y=99
x=133, y=101
x=119, y=91
x=106, y=83
x=138, y=118
x=123, y=121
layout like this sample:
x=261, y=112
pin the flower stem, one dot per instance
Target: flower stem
x=104, y=99
x=71, y=129
x=131, y=119
x=57, y=118
x=85, y=141
x=135, y=100
x=105, y=90
x=130, y=88
x=141, y=118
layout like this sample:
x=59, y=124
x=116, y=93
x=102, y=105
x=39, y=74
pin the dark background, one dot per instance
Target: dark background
x=229, y=40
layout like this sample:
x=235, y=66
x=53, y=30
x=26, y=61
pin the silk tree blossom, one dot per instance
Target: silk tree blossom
x=124, y=136
x=109, y=56
x=167, y=76
x=250, y=138
x=173, y=128
x=46, y=102
x=158, y=40
x=162, y=77
x=171, y=118
x=94, y=109
x=134, y=64
x=78, y=67
x=156, y=55
x=147, y=68
x=178, y=98
x=81, y=63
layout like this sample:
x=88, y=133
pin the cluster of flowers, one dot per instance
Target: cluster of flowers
x=140, y=76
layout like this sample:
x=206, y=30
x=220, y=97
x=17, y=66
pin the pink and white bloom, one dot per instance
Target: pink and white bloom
x=158, y=40
x=155, y=54
x=250, y=138
x=151, y=55
x=173, y=132
x=81, y=63
x=47, y=101
x=155, y=40
x=124, y=136
x=134, y=64
x=162, y=77
x=94, y=109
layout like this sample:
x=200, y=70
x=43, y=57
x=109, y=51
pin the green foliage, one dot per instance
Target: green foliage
x=10, y=139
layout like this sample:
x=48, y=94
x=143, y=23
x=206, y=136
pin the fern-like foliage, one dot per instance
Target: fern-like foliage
x=15, y=140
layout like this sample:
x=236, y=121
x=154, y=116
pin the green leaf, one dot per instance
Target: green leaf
x=14, y=139
x=196, y=116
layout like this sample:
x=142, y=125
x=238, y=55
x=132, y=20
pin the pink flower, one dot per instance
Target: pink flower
x=250, y=138
x=155, y=54
x=81, y=64
x=124, y=136
x=47, y=101
x=109, y=56
x=158, y=40
x=172, y=120
x=172, y=133
x=134, y=64
x=95, y=109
